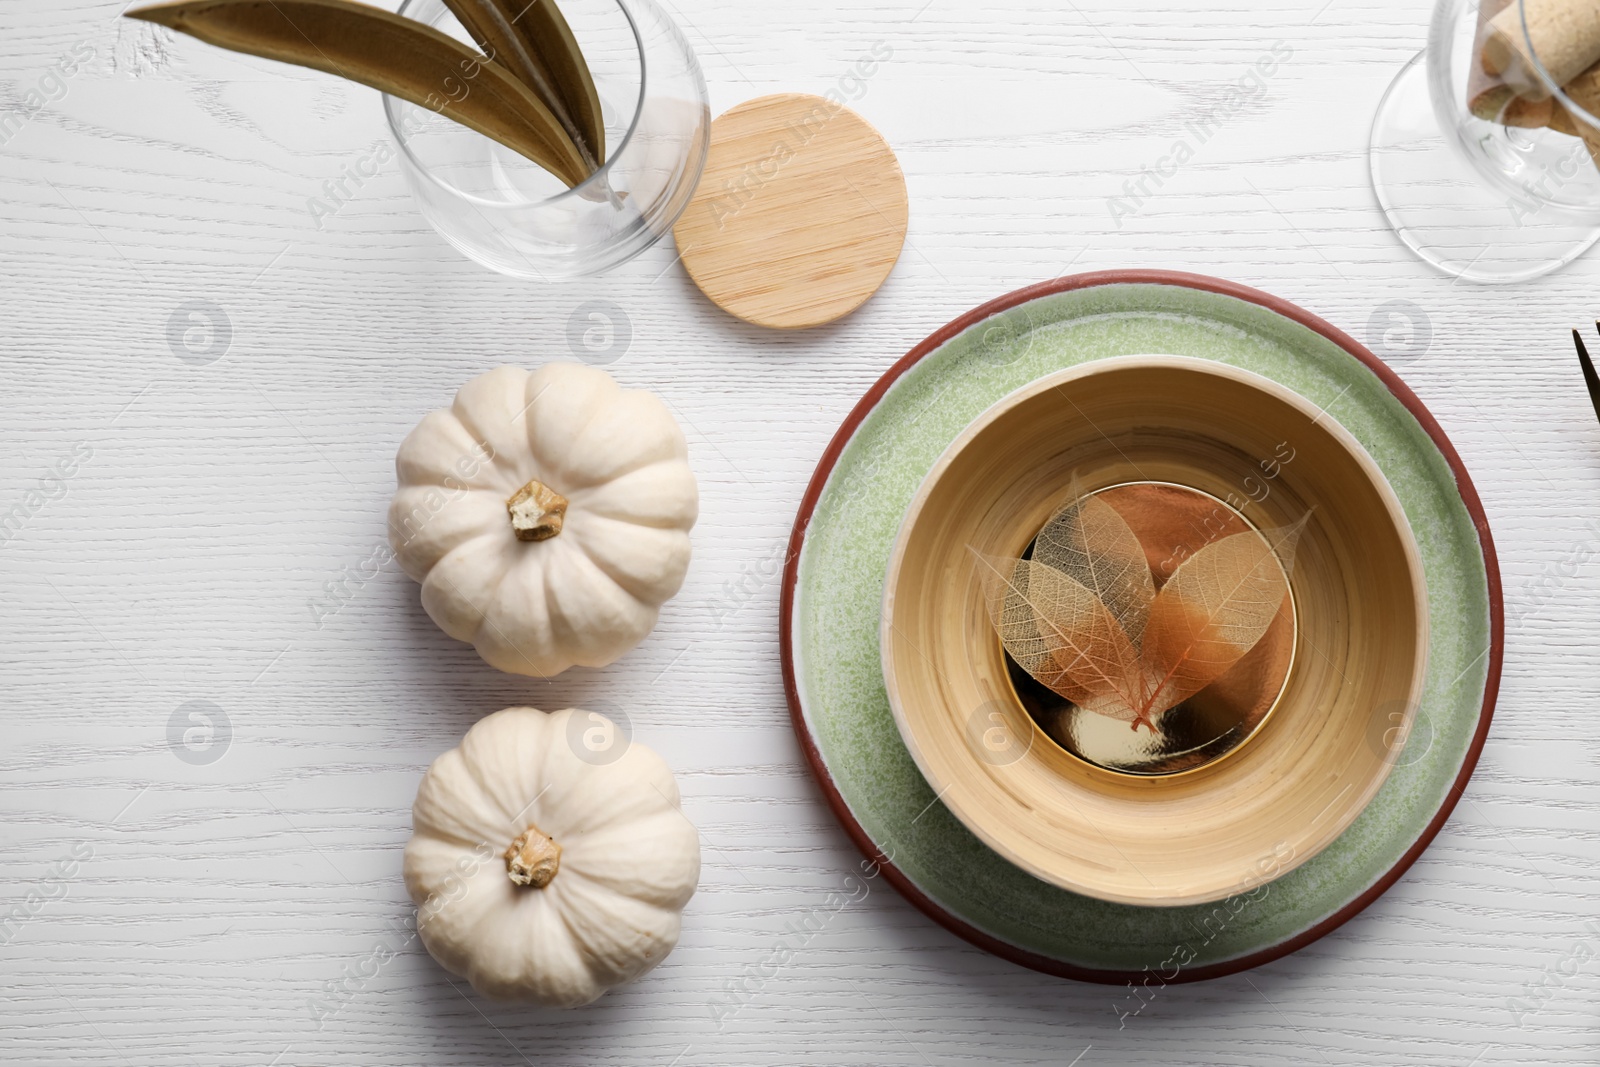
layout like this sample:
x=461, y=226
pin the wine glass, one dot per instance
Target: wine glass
x=1486, y=178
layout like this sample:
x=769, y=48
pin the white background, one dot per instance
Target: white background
x=181, y=561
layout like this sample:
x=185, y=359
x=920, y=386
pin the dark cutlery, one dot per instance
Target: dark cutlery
x=1590, y=379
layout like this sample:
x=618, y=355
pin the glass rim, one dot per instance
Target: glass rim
x=1578, y=112
x=589, y=184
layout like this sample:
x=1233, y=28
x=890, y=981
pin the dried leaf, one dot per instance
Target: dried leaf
x=1083, y=616
x=533, y=41
x=1212, y=611
x=1092, y=543
x=1285, y=540
x=1061, y=633
x=546, y=29
x=395, y=55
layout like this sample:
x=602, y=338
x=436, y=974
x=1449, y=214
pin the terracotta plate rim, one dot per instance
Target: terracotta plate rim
x=1202, y=283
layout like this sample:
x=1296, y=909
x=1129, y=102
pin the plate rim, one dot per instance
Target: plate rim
x=1092, y=279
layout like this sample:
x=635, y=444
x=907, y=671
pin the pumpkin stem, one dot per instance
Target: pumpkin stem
x=536, y=511
x=533, y=858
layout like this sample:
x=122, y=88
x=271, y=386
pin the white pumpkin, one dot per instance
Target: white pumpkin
x=546, y=515
x=539, y=870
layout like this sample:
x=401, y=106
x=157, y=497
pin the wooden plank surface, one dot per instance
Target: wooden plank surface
x=190, y=514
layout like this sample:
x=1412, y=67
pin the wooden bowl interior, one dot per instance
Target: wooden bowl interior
x=1361, y=647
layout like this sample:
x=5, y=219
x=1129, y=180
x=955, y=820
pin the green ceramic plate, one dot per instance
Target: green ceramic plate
x=833, y=586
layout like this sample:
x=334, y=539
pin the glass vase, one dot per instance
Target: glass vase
x=511, y=215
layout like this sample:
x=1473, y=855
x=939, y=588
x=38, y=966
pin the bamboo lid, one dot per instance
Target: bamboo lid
x=799, y=216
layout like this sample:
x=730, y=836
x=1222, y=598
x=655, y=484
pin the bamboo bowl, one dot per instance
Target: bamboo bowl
x=1361, y=640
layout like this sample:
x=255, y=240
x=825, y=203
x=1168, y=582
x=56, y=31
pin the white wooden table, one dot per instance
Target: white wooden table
x=188, y=492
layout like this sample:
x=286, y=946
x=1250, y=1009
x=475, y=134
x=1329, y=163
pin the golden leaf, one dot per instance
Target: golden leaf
x=1213, y=610
x=1091, y=542
x=1062, y=633
x=1083, y=616
x=395, y=55
x=534, y=42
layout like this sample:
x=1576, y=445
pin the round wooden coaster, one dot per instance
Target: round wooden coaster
x=800, y=215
